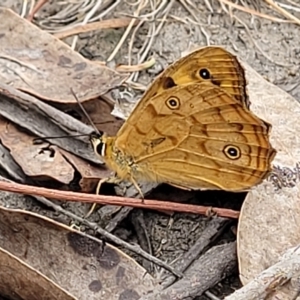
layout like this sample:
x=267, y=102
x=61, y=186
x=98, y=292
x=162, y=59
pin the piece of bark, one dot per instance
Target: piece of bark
x=118, y=218
x=273, y=279
x=8, y=164
x=138, y=222
x=212, y=267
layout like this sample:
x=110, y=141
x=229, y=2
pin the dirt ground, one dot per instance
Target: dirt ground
x=270, y=48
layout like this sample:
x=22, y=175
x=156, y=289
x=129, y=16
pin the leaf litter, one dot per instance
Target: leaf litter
x=257, y=193
x=46, y=67
x=36, y=161
x=49, y=249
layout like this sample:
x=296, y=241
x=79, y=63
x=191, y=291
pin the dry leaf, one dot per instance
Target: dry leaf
x=17, y=278
x=85, y=268
x=270, y=219
x=90, y=175
x=43, y=120
x=36, y=161
x=34, y=61
x=100, y=114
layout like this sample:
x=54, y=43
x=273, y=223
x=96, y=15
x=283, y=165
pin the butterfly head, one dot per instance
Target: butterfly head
x=99, y=142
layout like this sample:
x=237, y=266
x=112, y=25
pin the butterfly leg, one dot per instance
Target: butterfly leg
x=137, y=188
x=103, y=180
x=113, y=180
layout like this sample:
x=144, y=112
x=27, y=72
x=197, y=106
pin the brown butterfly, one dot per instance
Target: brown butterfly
x=192, y=129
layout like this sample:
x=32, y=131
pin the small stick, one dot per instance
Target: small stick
x=103, y=24
x=283, y=11
x=114, y=200
x=253, y=12
x=268, y=282
x=37, y=7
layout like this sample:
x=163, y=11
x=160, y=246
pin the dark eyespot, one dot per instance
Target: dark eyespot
x=232, y=152
x=204, y=74
x=173, y=103
x=216, y=82
x=168, y=83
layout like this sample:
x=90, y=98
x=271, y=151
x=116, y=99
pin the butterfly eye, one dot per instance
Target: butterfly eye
x=232, y=152
x=173, y=103
x=100, y=148
x=204, y=74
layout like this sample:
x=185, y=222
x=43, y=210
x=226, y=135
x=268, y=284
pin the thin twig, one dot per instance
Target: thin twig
x=24, y=9
x=293, y=3
x=126, y=33
x=193, y=10
x=86, y=20
x=70, y=13
x=136, y=68
x=105, y=24
x=288, y=7
x=268, y=282
x=283, y=11
x=111, y=6
x=114, y=200
x=153, y=31
x=131, y=42
x=254, y=12
x=37, y=7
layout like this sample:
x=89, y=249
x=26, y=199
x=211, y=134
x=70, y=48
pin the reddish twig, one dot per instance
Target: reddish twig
x=114, y=200
x=37, y=7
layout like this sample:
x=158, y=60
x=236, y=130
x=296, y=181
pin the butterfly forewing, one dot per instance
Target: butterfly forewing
x=209, y=64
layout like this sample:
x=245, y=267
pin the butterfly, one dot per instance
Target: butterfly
x=192, y=129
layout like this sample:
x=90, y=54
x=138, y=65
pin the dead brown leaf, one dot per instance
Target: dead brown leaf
x=43, y=120
x=269, y=222
x=37, y=161
x=82, y=266
x=17, y=278
x=100, y=113
x=90, y=175
x=44, y=162
x=34, y=61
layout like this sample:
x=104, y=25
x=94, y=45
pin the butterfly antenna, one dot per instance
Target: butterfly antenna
x=85, y=113
x=40, y=140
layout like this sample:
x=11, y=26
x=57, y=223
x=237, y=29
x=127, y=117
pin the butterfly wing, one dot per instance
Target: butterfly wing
x=197, y=136
x=209, y=64
x=213, y=64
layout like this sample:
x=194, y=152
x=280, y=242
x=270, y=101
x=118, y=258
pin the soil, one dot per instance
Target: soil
x=270, y=48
